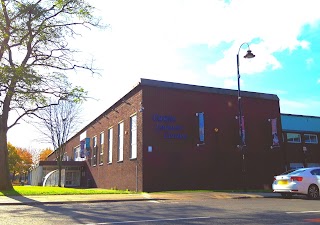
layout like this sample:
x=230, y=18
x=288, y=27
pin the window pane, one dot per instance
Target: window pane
x=110, y=137
x=313, y=164
x=94, y=151
x=311, y=138
x=76, y=154
x=314, y=139
x=101, y=147
x=133, y=136
x=296, y=165
x=293, y=138
x=120, y=142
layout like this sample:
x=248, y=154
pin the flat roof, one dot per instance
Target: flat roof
x=300, y=123
x=180, y=86
x=222, y=91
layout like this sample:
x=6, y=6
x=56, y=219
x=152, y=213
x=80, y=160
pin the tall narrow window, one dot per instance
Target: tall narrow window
x=101, y=148
x=133, y=137
x=94, y=151
x=120, y=141
x=110, y=143
x=76, y=153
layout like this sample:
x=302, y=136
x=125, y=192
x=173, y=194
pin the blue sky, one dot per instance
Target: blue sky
x=196, y=42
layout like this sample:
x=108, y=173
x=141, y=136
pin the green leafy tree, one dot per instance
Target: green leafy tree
x=35, y=58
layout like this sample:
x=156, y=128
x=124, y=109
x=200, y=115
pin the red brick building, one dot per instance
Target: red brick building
x=171, y=136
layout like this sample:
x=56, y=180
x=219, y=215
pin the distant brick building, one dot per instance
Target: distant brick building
x=171, y=136
x=300, y=140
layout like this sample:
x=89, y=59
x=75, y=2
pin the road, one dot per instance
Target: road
x=196, y=211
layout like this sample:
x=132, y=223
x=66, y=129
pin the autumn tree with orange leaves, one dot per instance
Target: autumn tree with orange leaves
x=20, y=161
x=45, y=153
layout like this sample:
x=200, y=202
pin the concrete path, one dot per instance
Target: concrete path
x=66, y=199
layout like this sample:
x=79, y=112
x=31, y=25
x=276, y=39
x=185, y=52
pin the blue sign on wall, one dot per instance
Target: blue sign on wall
x=166, y=124
x=201, y=126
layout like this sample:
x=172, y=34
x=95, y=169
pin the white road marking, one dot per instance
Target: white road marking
x=147, y=196
x=303, y=212
x=153, y=201
x=156, y=220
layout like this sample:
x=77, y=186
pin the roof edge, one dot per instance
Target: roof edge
x=299, y=115
x=207, y=89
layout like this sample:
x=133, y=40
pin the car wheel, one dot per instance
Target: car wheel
x=313, y=191
x=286, y=195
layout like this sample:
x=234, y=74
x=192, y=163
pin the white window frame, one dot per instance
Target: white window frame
x=94, y=151
x=76, y=153
x=110, y=144
x=120, y=141
x=101, y=148
x=308, y=140
x=133, y=136
x=294, y=141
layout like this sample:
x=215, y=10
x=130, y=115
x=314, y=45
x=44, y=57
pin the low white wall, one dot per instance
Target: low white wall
x=36, y=176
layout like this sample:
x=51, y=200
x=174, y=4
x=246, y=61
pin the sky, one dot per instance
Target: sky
x=196, y=42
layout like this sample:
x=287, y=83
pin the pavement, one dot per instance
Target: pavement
x=163, y=196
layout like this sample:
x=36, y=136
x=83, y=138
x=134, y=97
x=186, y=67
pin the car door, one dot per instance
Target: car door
x=316, y=172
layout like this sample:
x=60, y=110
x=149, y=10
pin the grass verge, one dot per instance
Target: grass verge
x=228, y=191
x=39, y=190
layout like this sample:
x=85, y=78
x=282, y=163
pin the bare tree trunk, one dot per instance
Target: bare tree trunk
x=5, y=182
x=59, y=168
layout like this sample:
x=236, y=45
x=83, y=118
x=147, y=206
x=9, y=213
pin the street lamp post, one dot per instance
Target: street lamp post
x=240, y=117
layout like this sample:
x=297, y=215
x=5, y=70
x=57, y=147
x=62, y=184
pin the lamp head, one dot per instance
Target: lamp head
x=249, y=55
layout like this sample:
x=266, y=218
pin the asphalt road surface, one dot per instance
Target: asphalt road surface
x=202, y=211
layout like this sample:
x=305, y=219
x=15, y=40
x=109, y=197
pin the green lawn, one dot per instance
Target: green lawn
x=39, y=190
x=229, y=191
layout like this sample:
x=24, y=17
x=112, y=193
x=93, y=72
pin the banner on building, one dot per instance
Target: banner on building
x=87, y=146
x=87, y=143
x=201, y=126
x=275, y=139
x=82, y=143
x=243, y=131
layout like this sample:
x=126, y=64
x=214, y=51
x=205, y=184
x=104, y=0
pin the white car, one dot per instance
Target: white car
x=303, y=181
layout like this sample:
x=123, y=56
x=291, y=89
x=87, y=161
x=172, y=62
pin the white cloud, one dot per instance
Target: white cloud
x=230, y=83
x=227, y=66
x=290, y=103
x=275, y=32
x=146, y=34
x=300, y=106
x=144, y=37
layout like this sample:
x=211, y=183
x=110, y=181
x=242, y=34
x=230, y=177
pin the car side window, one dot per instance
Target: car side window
x=316, y=172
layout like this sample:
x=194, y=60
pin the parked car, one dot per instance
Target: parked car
x=303, y=181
